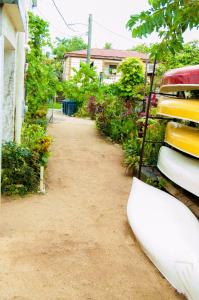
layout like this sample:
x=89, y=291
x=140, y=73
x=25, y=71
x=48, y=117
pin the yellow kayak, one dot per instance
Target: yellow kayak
x=183, y=137
x=179, y=108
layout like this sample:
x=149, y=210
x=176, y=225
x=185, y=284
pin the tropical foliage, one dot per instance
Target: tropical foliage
x=21, y=163
x=41, y=77
x=170, y=19
x=132, y=76
x=67, y=45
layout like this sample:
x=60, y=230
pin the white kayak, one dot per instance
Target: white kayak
x=169, y=235
x=181, y=169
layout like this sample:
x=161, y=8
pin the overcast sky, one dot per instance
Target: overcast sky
x=107, y=14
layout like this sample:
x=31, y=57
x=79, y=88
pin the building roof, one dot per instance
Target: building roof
x=110, y=54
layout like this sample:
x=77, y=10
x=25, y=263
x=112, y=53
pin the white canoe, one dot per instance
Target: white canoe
x=181, y=169
x=169, y=235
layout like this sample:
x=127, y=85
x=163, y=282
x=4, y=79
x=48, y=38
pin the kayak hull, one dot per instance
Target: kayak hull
x=181, y=79
x=179, y=168
x=178, y=87
x=182, y=137
x=179, y=108
x=169, y=235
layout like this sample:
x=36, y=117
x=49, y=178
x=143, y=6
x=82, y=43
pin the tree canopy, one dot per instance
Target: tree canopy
x=66, y=45
x=41, y=79
x=169, y=18
x=143, y=48
x=108, y=45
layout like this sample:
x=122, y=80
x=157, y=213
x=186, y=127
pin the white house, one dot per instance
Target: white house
x=106, y=62
x=13, y=29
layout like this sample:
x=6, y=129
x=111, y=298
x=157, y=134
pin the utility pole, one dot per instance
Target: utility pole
x=89, y=39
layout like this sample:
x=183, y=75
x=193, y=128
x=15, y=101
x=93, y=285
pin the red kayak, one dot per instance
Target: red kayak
x=181, y=79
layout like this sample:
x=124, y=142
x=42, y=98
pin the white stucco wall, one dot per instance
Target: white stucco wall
x=13, y=81
x=8, y=29
x=9, y=91
x=1, y=95
x=74, y=62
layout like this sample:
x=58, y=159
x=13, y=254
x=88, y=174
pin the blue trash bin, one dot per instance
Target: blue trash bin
x=69, y=107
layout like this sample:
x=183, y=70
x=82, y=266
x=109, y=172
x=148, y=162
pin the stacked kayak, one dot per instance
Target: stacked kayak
x=181, y=169
x=179, y=136
x=179, y=108
x=166, y=229
x=181, y=79
x=183, y=138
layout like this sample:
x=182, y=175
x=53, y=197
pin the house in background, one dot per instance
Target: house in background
x=13, y=35
x=106, y=62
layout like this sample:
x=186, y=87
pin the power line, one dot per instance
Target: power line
x=81, y=34
x=51, y=24
x=121, y=36
x=67, y=25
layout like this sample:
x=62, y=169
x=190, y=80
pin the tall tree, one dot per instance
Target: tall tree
x=67, y=45
x=169, y=18
x=143, y=48
x=41, y=77
x=107, y=45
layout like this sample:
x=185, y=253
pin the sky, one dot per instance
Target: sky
x=109, y=21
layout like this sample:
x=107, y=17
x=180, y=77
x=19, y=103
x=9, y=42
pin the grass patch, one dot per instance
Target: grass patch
x=55, y=105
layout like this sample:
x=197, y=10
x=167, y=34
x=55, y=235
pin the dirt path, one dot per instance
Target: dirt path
x=74, y=243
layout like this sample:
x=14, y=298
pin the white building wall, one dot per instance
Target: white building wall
x=1, y=94
x=8, y=30
x=74, y=62
x=9, y=92
x=98, y=63
x=13, y=81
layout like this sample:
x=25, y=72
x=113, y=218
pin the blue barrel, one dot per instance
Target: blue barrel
x=64, y=107
x=69, y=107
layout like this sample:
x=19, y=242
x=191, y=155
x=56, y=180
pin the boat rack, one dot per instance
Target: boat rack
x=147, y=117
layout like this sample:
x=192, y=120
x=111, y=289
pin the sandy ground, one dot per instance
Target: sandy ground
x=74, y=242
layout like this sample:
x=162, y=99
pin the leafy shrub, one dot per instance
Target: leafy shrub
x=20, y=169
x=21, y=163
x=132, y=78
x=132, y=148
x=41, y=79
x=92, y=107
x=81, y=87
x=114, y=118
x=155, y=132
x=35, y=138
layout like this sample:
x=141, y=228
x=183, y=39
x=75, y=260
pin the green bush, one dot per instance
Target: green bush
x=132, y=78
x=41, y=78
x=81, y=86
x=35, y=138
x=20, y=169
x=112, y=118
x=21, y=163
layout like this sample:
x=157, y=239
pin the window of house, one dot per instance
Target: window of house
x=112, y=69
